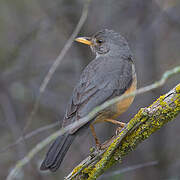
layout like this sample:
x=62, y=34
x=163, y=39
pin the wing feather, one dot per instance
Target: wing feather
x=97, y=85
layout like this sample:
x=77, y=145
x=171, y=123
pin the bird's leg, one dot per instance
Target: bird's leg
x=94, y=135
x=121, y=124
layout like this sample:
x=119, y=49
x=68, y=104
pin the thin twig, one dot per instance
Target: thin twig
x=29, y=135
x=84, y=120
x=10, y=117
x=130, y=168
x=58, y=61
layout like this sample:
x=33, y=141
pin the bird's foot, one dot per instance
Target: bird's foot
x=119, y=129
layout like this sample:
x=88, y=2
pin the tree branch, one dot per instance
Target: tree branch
x=129, y=168
x=145, y=122
x=29, y=135
x=57, y=61
x=87, y=118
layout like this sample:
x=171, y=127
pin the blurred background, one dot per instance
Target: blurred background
x=32, y=34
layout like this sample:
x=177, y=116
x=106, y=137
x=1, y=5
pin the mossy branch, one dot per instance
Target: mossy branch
x=145, y=122
x=19, y=165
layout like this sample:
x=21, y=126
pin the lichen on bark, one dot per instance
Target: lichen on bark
x=147, y=121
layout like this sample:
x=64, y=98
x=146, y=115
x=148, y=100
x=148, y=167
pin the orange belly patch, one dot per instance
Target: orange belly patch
x=117, y=109
x=123, y=105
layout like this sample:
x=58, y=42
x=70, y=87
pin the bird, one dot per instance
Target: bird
x=111, y=74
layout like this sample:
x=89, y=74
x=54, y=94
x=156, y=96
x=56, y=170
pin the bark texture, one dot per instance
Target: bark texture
x=147, y=121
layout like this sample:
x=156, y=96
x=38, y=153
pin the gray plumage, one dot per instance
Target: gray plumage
x=110, y=74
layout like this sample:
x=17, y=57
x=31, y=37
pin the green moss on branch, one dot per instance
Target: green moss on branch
x=145, y=122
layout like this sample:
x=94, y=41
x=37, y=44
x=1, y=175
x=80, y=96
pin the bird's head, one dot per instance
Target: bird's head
x=106, y=42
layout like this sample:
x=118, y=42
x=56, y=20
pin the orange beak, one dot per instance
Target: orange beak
x=84, y=40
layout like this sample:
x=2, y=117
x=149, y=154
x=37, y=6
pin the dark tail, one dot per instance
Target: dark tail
x=56, y=152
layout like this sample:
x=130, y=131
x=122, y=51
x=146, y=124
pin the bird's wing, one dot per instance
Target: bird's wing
x=96, y=86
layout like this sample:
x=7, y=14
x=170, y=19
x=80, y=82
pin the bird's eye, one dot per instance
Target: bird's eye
x=99, y=41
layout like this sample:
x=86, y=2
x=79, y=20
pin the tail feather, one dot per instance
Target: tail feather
x=56, y=152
